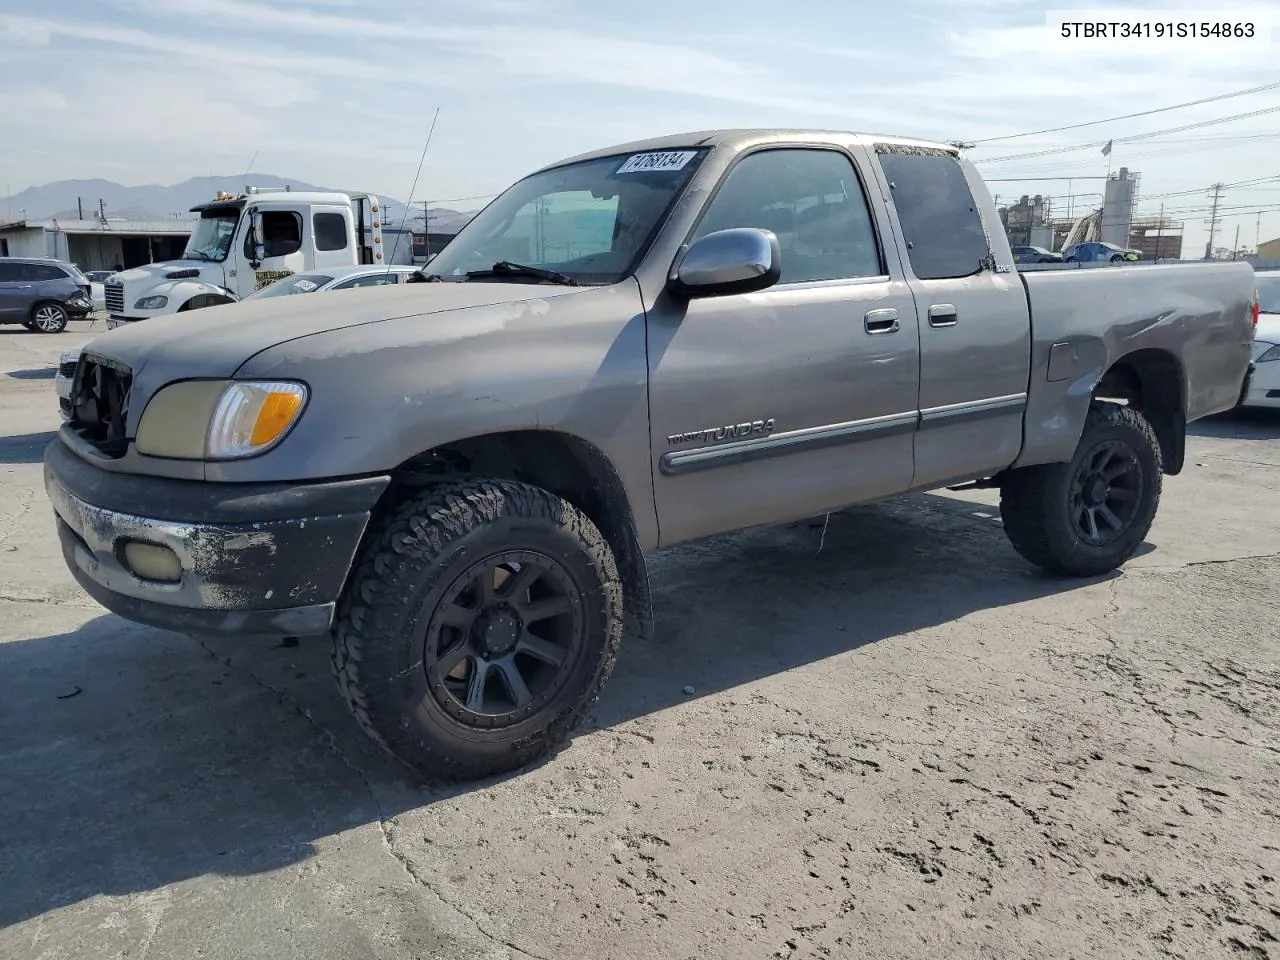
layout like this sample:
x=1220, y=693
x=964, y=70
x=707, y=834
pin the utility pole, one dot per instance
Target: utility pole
x=80, y=207
x=1235, y=246
x=1257, y=234
x=1159, y=232
x=426, y=228
x=1213, y=221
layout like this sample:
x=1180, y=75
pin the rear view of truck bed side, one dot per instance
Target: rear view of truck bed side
x=1175, y=347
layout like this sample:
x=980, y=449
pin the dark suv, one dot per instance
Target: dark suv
x=42, y=295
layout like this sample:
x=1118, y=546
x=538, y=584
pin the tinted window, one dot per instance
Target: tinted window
x=812, y=200
x=44, y=271
x=940, y=220
x=330, y=230
x=10, y=272
x=281, y=234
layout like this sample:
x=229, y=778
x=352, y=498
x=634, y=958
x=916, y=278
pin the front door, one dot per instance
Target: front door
x=283, y=234
x=975, y=328
x=16, y=293
x=798, y=399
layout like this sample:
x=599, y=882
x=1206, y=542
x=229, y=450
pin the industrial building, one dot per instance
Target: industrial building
x=1027, y=222
x=96, y=244
x=1269, y=250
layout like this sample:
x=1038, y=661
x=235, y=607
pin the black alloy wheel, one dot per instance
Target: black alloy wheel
x=502, y=638
x=1105, y=493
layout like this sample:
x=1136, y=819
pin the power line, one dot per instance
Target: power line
x=1130, y=139
x=1131, y=116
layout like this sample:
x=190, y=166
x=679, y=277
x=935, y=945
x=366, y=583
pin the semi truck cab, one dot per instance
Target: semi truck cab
x=242, y=243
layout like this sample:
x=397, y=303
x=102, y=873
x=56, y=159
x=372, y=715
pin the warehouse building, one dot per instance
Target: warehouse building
x=96, y=244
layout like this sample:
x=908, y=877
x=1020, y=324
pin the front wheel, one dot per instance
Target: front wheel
x=1088, y=516
x=483, y=618
x=1117, y=259
x=49, y=318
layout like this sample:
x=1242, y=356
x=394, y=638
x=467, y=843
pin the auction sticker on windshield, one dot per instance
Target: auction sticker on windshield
x=647, y=162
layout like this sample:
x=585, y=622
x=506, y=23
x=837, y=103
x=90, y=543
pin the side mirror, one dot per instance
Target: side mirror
x=741, y=260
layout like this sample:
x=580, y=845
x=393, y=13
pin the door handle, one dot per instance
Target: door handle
x=882, y=321
x=943, y=315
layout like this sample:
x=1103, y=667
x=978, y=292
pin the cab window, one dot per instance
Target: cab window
x=813, y=202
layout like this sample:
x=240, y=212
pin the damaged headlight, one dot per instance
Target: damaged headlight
x=219, y=419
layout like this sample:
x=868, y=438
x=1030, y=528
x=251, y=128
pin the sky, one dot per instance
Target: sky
x=342, y=92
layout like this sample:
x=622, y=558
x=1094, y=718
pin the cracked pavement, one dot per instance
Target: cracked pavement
x=906, y=744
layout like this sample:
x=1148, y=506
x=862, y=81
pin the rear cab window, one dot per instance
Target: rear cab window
x=941, y=225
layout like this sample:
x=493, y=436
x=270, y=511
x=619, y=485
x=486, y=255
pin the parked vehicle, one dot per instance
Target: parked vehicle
x=629, y=349
x=1095, y=251
x=1035, y=255
x=42, y=294
x=336, y=278
x=97, y=291
x=1263, y=389
x=241, y=244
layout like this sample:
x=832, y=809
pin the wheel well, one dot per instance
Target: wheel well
x=1151, y=382
x=567, y=466
x=47, y=301
x=204, y=300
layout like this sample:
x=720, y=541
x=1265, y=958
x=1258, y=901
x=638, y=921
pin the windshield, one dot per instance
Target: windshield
x=287, y=286
x=1269, y=294
x=591, y=221
x=212, y=237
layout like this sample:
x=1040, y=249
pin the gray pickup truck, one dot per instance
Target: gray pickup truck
x=458, y=478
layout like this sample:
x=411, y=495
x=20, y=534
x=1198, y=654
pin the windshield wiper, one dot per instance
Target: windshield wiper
x=505, y=268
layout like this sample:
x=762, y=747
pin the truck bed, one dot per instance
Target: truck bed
x=1197, y=314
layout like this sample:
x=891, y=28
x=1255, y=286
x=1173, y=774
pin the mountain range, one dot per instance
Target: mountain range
x=66, y=199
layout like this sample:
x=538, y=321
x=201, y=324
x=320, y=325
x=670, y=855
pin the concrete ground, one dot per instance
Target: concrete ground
x=903, y=742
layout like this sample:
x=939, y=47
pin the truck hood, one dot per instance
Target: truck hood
x=154, y=274
x=216, y=341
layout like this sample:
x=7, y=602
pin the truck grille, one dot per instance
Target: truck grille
x=100, y=403
x=113, y=293
x=68, y=369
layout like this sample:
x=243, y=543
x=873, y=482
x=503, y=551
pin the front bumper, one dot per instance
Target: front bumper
x=256, y=559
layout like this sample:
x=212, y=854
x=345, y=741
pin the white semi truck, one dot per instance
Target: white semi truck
x=242, y=243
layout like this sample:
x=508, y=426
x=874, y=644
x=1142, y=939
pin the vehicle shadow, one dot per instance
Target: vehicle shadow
x=37, y=373
x=134, y=758
x=25, y=447
x=1243, y=423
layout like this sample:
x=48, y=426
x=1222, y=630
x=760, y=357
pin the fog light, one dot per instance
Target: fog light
x=151, y=561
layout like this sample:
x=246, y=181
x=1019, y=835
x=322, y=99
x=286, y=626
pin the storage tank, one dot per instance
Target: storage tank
x=1117, y=208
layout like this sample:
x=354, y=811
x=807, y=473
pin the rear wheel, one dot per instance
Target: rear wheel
x=49, y=318
x=1088, y=516
x=482, y=620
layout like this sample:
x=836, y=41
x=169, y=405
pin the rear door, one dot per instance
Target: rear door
x=798, y=399
x=975, y=328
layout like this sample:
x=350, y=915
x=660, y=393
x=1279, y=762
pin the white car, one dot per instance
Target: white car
x=1264, y=380
x=62, y=380
x=97, y=279
x=336, y=278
